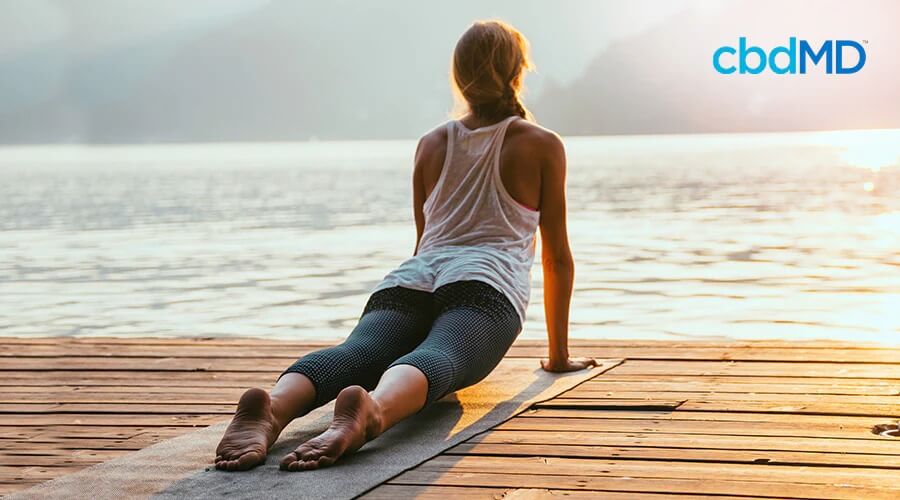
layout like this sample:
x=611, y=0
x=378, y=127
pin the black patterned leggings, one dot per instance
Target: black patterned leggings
x=455, y=336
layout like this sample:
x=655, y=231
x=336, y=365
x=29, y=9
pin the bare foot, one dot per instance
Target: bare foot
x=251, y=432
x=357, y=419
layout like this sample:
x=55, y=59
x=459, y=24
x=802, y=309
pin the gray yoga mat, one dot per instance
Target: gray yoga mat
x=181, y=467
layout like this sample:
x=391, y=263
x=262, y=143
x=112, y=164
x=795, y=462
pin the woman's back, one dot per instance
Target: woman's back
x=526, y=147
x=469, y=205
x=475, y=225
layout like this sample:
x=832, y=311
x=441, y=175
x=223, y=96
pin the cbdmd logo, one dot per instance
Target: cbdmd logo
x=791, y=59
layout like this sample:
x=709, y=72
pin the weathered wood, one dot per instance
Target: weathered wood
x=26, y=420
x=887, y=410
x=640, y=484
x=648, y=404
x=116, y=391
x=762, y=368
x=715, y=417
x=677, y=418
x=39, y=473
x=778, y=382
x=712, y=395
x=668, y=389
x=118, y=408
x=699, y=427
x=821, y=445
x=59, y=444
x=580, y=467
x=226, y=396
x=131, y=378
x=717, y=427
x=144, y=364
x=425, y=492
x=689, y=454
x=428, y=492
x=49, y=459
x=86, y=431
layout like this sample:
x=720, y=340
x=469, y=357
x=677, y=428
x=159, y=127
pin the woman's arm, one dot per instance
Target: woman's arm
x=558, y=265
x=429, y=161
x=419, y=193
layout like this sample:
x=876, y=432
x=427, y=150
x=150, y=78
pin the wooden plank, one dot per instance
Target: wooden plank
x=27, y=420
x=425, y=492
x=579, y=467
x=872, y=410
x=104, y=397
x=639, y=484
x=200, y=350
x=814, y=408
x=822, y=445
x=582, y=392
x=190, y=369
x=48, y=445
x=143, y=364
x=17, y=433
x=761, y=368
x=40, y=473
x=118, y=408
x=212, y=396
x=778, y=381
x=649, y=404
x=8, y=488
x=798, y=421
x=130, y=378
x=429, y=492
x=717, y=427
x=116, y=391
x=48, y=458
x=678, y=454
x=796, y=355
x=81, y=431
x=86, y=378
x=666, y=388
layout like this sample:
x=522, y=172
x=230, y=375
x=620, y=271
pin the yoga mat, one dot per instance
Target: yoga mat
x=182, y=467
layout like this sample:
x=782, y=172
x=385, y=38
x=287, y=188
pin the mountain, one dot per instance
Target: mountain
x=662, y=81
x=289, y=70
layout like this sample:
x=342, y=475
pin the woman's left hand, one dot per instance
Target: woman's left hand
x=567, y=365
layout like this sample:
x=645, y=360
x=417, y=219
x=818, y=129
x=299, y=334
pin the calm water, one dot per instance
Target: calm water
x=791, y=236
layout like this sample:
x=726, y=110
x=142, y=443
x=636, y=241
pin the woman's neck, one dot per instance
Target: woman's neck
x=473, y=122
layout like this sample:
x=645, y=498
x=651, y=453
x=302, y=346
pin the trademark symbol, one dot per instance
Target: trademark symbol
x=865, y=42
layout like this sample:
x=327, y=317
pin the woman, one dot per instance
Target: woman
x=482, y=185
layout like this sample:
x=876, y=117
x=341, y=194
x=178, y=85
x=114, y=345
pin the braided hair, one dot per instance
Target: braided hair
x=488, y=66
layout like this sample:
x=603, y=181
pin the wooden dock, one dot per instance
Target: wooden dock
x=748, y=419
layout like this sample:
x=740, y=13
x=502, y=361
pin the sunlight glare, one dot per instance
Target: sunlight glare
x=871, y=149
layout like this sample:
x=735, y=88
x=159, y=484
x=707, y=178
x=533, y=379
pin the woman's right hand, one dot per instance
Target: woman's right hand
x=567, y=365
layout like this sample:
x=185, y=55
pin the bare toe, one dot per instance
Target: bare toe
x=250, y=433
x=357, y=419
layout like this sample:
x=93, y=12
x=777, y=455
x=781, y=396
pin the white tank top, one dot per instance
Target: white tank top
x=474, y=229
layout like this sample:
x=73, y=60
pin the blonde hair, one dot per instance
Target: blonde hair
x=487, y=70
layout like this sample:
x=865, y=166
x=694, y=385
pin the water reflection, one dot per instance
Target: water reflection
x=742, y=236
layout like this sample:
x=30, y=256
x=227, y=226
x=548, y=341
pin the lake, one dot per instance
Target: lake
x=738, y=236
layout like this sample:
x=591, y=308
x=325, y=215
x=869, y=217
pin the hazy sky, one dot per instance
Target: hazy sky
x=221, y=70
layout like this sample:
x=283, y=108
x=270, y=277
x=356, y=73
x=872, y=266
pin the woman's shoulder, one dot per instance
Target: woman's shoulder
x=432, y=146
x=527, y=139
x=533, y=133
x=435, y=136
